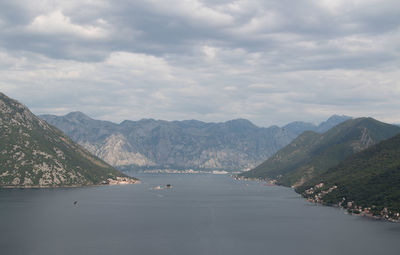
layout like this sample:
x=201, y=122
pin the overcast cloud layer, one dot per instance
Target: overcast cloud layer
x=271, y=62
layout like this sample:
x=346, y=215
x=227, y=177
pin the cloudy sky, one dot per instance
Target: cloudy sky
x=270, y=61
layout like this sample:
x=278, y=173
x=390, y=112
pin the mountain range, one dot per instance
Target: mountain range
x=190, y=144
x=36, y=154
x=354, y=164
x=312, y=154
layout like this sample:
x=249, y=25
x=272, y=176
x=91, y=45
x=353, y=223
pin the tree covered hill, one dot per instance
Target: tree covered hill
x=312, y=154
x=366, y=182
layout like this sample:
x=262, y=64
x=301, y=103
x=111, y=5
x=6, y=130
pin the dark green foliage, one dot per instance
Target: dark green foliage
x=286, y=159
x=312, y=154
x=33, y=153
x=370, y=178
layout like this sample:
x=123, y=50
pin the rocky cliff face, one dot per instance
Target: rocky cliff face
x=233, y=145
x=33, y=153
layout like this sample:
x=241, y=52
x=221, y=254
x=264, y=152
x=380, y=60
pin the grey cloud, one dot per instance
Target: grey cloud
x=270, y=61
x=174, y=27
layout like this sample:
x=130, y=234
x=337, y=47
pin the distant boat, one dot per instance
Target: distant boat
x=168, y=186
x=75, y=202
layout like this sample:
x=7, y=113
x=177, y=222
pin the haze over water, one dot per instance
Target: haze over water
x=201, y=214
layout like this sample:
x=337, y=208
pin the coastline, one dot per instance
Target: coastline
x=108, y=182
x=360, y=212
x=187, y=171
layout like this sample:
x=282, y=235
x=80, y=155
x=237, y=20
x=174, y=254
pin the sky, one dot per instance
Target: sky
x=269, y=61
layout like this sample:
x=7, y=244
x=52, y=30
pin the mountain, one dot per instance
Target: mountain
x=311, y=153
x=35, y=154
x=298, y=127
x=190, y=144
x=367, y=182
x=330, y=123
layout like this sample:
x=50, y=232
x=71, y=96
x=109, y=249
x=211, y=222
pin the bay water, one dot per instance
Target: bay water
x=200, y=214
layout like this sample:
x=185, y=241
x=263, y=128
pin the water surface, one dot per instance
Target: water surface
x=201, y=214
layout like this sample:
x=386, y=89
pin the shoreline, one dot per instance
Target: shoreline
x=271, y=182
x=187, y=171
x=126, y=181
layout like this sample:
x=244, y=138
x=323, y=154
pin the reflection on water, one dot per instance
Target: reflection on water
x=199, y=214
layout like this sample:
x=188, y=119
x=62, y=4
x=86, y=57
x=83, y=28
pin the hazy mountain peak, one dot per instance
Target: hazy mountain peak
x=337, y=117
x=77, y=116
x=299, y=127
x=241, y=123
x=331, y=122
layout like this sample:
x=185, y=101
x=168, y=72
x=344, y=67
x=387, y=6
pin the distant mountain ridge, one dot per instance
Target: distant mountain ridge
x=36, y=154
x=298, y=127
x=190, y=144
x=311, y=153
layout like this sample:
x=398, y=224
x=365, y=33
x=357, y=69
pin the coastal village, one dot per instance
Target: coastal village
x=121, y=181
x=316, y=194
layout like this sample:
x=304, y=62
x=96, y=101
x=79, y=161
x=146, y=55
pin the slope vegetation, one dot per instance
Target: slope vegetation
x=367, y=182
x=312, y=154
x=33, y=153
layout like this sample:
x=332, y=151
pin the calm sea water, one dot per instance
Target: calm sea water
x=201, y=214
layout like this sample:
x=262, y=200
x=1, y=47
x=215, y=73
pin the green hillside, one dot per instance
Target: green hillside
x=311, y=153
x=369, y=181
x=33, y=153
